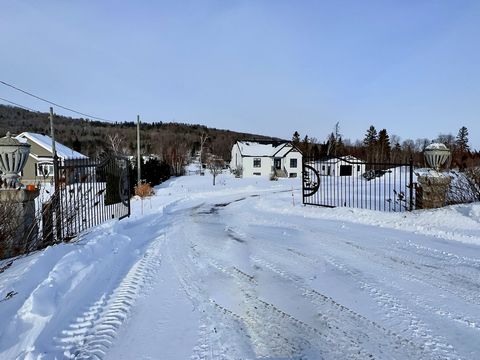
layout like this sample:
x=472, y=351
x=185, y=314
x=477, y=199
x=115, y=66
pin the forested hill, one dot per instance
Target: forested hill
x=91, y=137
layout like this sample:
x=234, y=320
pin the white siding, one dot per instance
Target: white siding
x=293, y=170
x=265, y=168
x=237, y=161
x=357, y=167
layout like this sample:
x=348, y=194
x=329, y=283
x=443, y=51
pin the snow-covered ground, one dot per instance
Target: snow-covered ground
x=243, y=271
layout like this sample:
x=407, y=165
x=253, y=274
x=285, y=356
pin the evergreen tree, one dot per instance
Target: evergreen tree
x=296, y=138
x=370, y=137
x=305, y=146
x=383, y=145
x=332, y=145
x=370, y=142
x=462, y=140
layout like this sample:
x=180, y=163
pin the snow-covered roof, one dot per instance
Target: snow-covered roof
x=347, y=158
x=45, y=141
x=351, y=158
x=250, y=148
x=282, y=150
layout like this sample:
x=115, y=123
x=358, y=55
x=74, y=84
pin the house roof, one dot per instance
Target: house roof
x=45, y=141
x=250, y=148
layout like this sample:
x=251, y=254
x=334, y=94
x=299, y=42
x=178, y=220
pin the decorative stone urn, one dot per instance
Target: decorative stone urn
x=432, y=187
x=436, y=155
x=19, y=230
x=13, y=156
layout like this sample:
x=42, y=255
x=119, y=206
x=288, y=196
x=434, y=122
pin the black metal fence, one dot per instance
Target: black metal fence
x=88, y=192
x=350, y=182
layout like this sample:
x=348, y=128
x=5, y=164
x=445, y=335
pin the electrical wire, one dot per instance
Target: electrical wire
x=53, y=103
x=20, y=106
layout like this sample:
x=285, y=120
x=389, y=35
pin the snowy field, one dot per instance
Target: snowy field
x=243, y=271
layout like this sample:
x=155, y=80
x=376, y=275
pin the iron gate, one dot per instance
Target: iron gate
x=88, y=192
x=350, y=182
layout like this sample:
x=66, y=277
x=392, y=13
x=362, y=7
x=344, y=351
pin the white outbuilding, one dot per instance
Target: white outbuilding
x=262, y=158
x=341, y=166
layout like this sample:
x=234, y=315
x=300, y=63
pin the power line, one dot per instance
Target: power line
x=53, y=103
x=20, y=106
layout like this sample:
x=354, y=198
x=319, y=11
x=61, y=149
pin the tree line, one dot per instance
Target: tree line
x=171, y=143
x=380, y=146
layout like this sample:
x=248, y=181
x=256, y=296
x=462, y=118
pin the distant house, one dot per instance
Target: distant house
x=255, y=158
x=341, y=166
x=39, y=166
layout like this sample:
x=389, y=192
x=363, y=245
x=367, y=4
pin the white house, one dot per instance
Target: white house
x=341, y=166
x=255, y=158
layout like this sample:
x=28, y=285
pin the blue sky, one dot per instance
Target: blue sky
x=268, y=67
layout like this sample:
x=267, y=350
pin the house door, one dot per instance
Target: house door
x=278, y=164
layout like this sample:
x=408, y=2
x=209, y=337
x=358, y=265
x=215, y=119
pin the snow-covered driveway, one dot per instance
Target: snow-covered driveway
x=238, y=272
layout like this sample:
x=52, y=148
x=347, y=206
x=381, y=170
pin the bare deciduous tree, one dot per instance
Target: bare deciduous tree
x=215, y=165
x=117, y=143
x=203, y=139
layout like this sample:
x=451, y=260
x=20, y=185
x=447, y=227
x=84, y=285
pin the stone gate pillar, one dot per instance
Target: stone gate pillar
x=18, y=226
x=431, y=191
x=19, y=229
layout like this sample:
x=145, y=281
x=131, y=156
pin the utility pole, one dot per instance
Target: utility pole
x=139, y=164
x=55, y=204
x=54, y=150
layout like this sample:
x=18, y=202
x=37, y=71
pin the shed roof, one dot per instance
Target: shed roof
x=346, y=158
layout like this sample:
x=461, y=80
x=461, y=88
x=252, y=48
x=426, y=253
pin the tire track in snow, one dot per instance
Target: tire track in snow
x=466, y=284
x=273, y=332
x=283, y=325
x=93, y=332
x=267, y=330
x=219, y=334
x=341, y=315
x=428, y=275
x=276, y=332
x=412, y=325
x=347, y=327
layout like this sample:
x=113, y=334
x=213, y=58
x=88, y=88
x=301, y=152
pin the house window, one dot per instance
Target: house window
x=257, y=162
x=323, y=167
x=345, y=170
x=292, y=175
x=358, y=167
x=257, y=174
x=293, y=163
x=45, y=169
